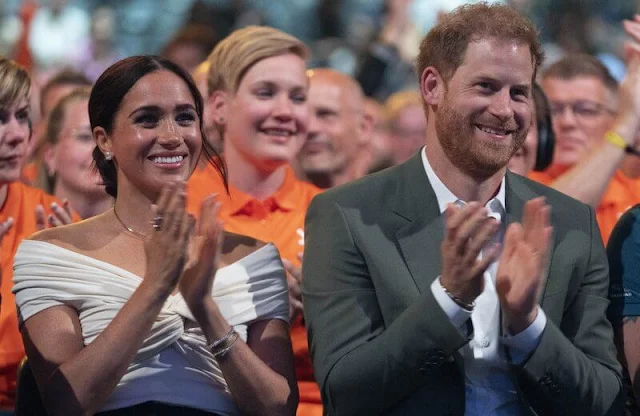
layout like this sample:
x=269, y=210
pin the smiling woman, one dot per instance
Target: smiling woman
x=258, y=90
x=143, y=296
x=70, y=173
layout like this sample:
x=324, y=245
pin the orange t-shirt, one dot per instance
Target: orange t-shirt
x=278, y=219
x=30, y=173
x=20, y=204
x=621, y=194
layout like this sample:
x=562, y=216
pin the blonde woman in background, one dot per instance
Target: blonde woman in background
x=69, y=143
x=257, y=94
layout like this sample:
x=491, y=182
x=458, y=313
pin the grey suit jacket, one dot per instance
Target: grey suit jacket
x=381, y=344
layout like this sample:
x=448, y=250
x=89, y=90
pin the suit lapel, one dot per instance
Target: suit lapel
x=515, y=198
x=419, y=239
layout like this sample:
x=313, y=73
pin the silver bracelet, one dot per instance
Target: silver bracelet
x=464, y=305
x=226, y=347
x=222, y=340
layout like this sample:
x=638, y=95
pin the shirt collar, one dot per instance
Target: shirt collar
x=285, y=198
x=444, y=194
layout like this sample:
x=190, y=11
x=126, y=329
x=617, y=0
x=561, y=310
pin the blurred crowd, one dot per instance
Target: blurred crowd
x=342, y=34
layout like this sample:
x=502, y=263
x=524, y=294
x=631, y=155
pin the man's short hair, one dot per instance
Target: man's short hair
x=445, y=45
x=581, y=65
x=64, y=77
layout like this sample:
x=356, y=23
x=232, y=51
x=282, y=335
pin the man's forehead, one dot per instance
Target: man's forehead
x=322, y=91
x=333, y=95
x=578, y=86
x=492, y=51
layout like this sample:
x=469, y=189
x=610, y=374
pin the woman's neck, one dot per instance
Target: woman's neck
x=133, y=210
x=245, y=176
x=85, y=204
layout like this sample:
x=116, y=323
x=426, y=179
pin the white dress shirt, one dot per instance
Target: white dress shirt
x=489, y=387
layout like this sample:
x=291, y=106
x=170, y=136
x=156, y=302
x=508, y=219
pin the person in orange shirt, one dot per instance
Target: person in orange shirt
x=257, y=93
x=23, y=211
x=596, y=124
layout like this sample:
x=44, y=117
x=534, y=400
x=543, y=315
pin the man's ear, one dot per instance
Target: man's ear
x=218, y=102
x=366, y=128
x=432, y=86
x=102, y=140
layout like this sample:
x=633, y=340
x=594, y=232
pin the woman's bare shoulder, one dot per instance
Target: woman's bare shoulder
x=237, y=246
x=76, y=235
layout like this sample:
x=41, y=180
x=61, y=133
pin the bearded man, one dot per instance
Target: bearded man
x=447, y=285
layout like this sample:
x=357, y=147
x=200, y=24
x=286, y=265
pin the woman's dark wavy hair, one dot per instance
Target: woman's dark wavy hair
x=106, y=98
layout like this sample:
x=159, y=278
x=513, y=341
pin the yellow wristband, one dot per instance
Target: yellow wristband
x=615, y=139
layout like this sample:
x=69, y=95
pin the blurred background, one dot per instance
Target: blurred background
x=373, y=40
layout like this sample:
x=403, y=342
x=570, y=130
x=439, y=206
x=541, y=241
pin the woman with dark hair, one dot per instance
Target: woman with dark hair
x=138, y=310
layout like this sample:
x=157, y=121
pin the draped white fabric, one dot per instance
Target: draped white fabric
x=251, y=289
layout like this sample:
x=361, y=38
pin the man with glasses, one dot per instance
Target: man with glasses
x=594, y=140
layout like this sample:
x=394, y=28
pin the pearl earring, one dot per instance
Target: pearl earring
x=108, y=156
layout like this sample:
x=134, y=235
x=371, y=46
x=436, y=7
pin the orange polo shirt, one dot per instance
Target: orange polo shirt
x=278, y=219
x=621, y=194
x=20, y=204
x=30, y=173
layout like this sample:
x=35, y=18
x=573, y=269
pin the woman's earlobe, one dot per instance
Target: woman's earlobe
x=102, y=141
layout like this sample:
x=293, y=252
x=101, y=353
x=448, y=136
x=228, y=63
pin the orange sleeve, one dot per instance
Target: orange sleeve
x=541, y=177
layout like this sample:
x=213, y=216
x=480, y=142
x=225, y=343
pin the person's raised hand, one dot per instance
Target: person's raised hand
x=166, y=246
x=468, y=229
x=522, y=269
x=396, y=21
x=627, y=123
x=205, y=250
x=59, y=215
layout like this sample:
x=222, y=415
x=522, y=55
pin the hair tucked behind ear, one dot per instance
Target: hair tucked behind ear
x=108, y=172
x=107, y=95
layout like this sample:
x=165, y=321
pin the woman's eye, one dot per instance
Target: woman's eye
x=300, y=98
x=264, y=93
x=147, y=120
x=186, y=119
x=23, y=116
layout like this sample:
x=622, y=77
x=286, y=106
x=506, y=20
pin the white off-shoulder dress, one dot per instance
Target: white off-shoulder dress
x=173, y=364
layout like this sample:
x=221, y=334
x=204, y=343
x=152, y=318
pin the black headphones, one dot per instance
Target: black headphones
x=546, y=137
